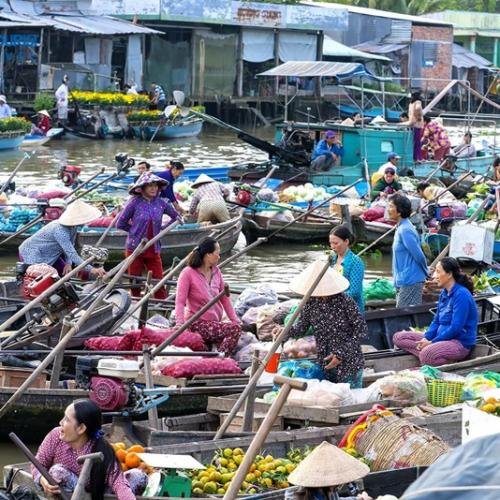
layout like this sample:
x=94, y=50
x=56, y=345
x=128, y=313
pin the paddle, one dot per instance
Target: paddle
x=393, y=228
x=277, y=342
x=5, y=185
x=160, y=125
x=40, y=217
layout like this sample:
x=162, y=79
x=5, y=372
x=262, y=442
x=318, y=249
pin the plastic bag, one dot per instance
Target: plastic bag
x=304, y=347
x=188, y=368
x=282, y=309
x=476, y=384
x=252, y=297
x=250, y=317
x=408, y=388
x=321, y=393
x=380, y=289
x=305, y=369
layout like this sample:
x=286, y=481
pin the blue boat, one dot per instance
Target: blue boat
x=11, y=140
x=32, y=140
x=185, y=128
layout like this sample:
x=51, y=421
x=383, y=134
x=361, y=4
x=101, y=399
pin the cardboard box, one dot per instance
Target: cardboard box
x=473, y=242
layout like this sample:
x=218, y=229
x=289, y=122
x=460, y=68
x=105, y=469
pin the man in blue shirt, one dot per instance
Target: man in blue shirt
x=158, y=98
x=327, y=153
x=174, y=170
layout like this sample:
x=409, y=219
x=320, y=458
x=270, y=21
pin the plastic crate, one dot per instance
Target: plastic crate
x=444, y=392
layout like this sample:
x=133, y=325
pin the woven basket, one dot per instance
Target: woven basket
x=394, y=443
x=444, y=392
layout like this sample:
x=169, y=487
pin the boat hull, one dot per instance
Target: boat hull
x=188, y=129
x=12, y=142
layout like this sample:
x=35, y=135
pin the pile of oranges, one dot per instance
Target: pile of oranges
x=128, y=458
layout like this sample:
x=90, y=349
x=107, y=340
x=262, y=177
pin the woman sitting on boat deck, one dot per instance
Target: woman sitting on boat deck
x=337, y=321
x=43, y=124
x=347, y=263
x=208, y=201
x=387, y=185
x=452, y=333
x=142, y=217
x=54, y=243
x=198, y=283
x=79, y=434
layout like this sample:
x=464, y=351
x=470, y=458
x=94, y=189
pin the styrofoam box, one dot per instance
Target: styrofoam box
x=119, y=368
x=472, y=241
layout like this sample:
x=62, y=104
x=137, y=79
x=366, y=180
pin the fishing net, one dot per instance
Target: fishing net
x=394, y=443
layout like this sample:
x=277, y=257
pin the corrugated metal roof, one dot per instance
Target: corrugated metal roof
x=380, y=13
x=11, y=24
x=463, y=58
x=99, y=25
x=332, y=48
x=379, y=47
x=340, y=70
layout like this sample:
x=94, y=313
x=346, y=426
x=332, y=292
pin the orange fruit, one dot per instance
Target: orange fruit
x=132, y=460
x=120, y=455
x=136, y=448
x=123, y=467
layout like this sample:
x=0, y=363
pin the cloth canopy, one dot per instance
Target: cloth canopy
x=342, y=71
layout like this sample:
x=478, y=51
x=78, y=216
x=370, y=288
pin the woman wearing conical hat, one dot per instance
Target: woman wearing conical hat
x=337, y=321
x=54, y=244
x=208, y=200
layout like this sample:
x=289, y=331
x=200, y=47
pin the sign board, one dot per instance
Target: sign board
x=162, y=461
x=477, y=423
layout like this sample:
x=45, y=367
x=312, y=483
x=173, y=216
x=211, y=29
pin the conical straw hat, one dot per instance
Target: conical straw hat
x=44, y=112
x=202, y=179
x=327, y=465
x=79, y=213
x=331, y=283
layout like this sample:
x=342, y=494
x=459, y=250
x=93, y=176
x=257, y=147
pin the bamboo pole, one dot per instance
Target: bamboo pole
x=278, y=341
x=74, y=329
x=45, y=294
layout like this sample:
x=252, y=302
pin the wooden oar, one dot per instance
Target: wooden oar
x=5, y=185
x=433, y=172
x=108, y=229
x=38, y=465
x=472, y=218
x=278, y=341
x=74, y=329
x=393, y=228
x=161, y=125
x=40, y=217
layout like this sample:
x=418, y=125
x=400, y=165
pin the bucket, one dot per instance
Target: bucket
x=273, y=363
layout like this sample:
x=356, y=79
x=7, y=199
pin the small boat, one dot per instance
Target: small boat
x=256, y=225
x=178, y=243
x=31, y=140
x=11, y=140
x=190, y=127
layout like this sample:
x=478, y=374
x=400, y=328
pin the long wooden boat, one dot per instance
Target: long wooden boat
x=11, y=140
x=178, y=243
x=187, y=128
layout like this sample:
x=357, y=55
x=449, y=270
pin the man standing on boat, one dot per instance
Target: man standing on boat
x=327, y=153
x=5, y=111
x=174, y=170
x=62, y=94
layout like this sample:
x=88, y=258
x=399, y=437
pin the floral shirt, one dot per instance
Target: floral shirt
x=208, y=191
x=338, y=329
x=137, y=216
x=54, y=450
x=435, y=136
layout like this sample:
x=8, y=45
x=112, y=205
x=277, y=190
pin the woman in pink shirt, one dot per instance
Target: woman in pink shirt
x=198, y=284
x=80, y=434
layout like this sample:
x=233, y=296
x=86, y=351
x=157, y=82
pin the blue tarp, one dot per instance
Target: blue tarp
x=469, y=472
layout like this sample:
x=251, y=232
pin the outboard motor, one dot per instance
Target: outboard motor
x=124, y=164
x=69, y=175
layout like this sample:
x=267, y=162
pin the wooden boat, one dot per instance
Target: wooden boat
x=183, y=128
x=11, y=140
x=32, y=140
x=178, y=243
x=256, y=225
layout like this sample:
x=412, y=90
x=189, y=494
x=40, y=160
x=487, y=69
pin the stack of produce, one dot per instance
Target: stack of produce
x=265, y=473
x=300, y=348
x=303, y=193
x=128, y=458
x=18, y=218
x=490, y=405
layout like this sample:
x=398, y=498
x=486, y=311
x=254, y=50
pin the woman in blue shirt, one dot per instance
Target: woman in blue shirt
x=453, y=331
x=409, y=266
x=346, y=262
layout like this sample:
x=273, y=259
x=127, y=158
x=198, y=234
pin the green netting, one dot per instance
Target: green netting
x=215, y=64
x=169, y=64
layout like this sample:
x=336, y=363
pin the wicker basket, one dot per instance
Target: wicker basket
x=444, y=392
